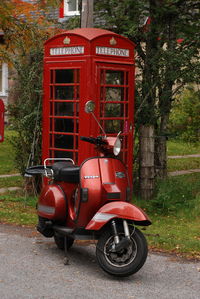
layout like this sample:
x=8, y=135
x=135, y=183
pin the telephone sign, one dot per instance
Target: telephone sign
x=112, y=51
x=67, y=51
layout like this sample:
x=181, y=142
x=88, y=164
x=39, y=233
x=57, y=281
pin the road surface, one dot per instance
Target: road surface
x=31, y=267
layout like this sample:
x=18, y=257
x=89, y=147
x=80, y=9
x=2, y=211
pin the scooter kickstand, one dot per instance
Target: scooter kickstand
x=66, y=259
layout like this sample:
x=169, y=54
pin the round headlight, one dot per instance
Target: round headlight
x=117, y=147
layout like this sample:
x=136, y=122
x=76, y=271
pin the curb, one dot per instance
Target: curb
x=9, y=175
x=184, y=156
x=4, y=190
x=182, y=172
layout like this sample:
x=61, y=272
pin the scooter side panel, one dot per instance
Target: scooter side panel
x=52, y=203
x=114, y=179
x=105, y=179
x=121, y=210
x=90, y=178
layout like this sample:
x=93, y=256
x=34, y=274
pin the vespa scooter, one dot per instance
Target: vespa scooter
x=91, y=201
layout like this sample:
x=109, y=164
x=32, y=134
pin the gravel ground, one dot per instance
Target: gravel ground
x=32, y=267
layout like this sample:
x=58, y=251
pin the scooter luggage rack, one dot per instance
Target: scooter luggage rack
x=54, y=159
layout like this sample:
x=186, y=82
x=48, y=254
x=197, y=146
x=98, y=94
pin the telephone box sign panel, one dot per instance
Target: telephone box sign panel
x=112, y=51
x=67, y=51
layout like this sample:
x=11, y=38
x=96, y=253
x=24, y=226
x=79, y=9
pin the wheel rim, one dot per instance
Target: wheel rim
x=122, y=258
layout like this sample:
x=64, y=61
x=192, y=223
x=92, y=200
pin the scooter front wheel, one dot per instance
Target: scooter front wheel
x=60, y=241
x=126, y=261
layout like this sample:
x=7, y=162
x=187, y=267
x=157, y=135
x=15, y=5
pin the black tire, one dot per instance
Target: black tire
x=126, y=262
x=60, y=241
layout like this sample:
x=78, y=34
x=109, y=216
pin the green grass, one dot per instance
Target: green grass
x=7, y=154
x=17, y=209
x=11, y=181
x=183, y=164
x=175, y=213
x=175, y=234
x=178, y=147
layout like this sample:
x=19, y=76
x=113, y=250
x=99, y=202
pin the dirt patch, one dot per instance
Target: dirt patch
x=24, y=231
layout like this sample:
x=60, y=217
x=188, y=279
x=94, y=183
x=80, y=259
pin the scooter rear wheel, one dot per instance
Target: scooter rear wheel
x=60, y=241
x=128, y=260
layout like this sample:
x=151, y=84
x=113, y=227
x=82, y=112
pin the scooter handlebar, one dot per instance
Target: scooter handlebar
x=88, y=139
x=96, y=141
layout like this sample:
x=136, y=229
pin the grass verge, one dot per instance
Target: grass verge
x=6, y=154
x=183, y=164
x=176, y=235
x=180, y=148
x=17, y=209
x=11, y=182
x=175, y=212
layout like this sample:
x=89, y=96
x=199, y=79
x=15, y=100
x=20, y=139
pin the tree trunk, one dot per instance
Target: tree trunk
x=161, y=149
x=161, y=157
x=87, y=14
x=146, y=156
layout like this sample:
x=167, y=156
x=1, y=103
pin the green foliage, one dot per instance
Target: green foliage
x=23, y=51
x=185, y=116
x=26, y=27
x=25, y=112
x=71, y=23
x=6, y=154
x=175, y=212
x=175, y=196
x=164, y=64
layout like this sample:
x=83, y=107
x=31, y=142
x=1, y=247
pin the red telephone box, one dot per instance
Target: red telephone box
x=81, y=65
x=2, y=111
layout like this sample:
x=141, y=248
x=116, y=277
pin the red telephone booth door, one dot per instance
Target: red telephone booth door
x=61, y=110
x=116, y=106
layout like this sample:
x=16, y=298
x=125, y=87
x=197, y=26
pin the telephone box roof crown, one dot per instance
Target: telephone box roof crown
x=91, y=33
x=88, y=33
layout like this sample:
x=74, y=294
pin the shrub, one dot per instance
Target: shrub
x=185, y=116
x=175, y=195
x=25, y=112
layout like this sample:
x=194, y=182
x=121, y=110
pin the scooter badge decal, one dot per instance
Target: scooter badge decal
x=120, y=174
x=91, y=177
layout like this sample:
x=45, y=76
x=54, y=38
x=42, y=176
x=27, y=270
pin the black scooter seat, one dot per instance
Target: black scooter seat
x=66, y=172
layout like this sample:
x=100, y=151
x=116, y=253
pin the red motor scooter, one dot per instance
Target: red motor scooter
x=91, y=201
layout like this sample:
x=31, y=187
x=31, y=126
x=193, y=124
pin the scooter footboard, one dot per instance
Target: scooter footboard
x=121, y=210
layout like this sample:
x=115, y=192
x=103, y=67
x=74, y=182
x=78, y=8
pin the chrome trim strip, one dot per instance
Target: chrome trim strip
x=46, y=209
x=103, y=217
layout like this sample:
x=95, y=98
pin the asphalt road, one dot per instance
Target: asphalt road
x=32, y=267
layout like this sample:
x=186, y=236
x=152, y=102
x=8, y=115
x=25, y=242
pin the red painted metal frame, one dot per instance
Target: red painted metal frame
x=93, y=66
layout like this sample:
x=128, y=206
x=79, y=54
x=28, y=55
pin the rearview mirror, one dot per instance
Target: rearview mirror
x=89, y=107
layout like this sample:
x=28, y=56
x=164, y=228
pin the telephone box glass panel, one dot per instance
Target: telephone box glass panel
x=64, y=112
x=114, y=97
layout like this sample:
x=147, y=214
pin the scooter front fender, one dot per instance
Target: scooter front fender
x=120, y=209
